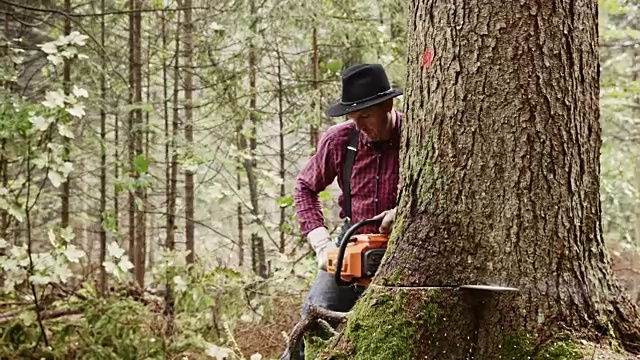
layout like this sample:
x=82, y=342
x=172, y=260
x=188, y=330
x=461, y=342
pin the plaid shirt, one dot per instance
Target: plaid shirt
x=374, y=177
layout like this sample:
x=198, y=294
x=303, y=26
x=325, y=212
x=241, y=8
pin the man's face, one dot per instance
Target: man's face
x=374, y=121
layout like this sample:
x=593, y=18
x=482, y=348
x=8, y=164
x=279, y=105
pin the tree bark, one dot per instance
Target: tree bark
x=282, y=150
x=188, y=129
x=140, y=221
x=66, y=84
x=173, y=184
x=103, y=162
x=131, y=138
x=258, y=254
x=500, y=186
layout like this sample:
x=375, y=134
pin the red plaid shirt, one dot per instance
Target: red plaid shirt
x=374, y=177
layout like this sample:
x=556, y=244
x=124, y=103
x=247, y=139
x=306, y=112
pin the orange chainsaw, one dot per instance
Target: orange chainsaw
x=357, y=259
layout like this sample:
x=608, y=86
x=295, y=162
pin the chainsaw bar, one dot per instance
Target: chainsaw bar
x=463, y=287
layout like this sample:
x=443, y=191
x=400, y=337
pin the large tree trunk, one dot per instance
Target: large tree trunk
x=500, y=173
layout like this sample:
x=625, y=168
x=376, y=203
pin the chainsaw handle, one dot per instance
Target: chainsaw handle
x=343, y=247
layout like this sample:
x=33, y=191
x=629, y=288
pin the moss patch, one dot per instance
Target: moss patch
x=522, y=345
x=384, y=323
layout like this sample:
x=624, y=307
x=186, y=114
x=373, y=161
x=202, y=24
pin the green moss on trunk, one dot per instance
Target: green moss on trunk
x=522, y=345
x=384, y=323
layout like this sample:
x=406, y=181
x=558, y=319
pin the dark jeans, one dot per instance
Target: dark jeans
x=327, y=294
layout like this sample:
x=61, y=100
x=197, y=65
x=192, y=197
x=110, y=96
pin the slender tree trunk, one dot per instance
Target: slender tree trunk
x=4, y=216
x=131, y=138
x=140, y=222
x=66, y=84
x=103, y=162
x=241, y=143
x=171, y=212
x=167, y=148
x=172, y=168
x=188, y=128
x=316, y=86
x=116, y=167
x=258, y=255
x=500, y=186
x=283, y=192
x=147, y=231
x=239, y=205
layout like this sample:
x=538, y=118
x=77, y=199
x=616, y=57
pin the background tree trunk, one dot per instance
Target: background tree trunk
x=103, y=162
x=65, y=194
x=500, y=173
x=188, y=129
x=140, y=221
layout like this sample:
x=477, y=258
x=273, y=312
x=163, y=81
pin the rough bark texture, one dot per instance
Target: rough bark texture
x=500, y=174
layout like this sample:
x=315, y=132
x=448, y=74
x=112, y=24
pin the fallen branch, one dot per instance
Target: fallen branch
x=45, y=315
x=8, y=316
x=313, y=316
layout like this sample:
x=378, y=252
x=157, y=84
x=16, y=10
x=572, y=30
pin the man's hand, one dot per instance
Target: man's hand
x=322, y=244
x=388, y=218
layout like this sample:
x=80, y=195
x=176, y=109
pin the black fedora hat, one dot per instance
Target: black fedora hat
x=363, y=85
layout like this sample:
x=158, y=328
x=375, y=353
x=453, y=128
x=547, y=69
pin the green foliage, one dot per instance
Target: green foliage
x=620, y=91
x=128, y=325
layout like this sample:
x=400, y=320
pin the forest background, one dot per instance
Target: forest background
x=161, y=139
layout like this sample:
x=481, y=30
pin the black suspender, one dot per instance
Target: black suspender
x=352, y=149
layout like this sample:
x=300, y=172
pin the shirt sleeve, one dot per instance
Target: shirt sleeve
x=315, y=176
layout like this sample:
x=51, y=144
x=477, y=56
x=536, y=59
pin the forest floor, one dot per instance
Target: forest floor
x=268, y=337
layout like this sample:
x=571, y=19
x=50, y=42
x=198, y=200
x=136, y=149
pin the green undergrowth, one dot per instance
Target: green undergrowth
x=128, y=323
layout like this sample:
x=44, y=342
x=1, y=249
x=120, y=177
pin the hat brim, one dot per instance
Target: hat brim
x=339, y=109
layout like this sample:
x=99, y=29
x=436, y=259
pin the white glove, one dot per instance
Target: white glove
x=388, y=218
x=320, y=241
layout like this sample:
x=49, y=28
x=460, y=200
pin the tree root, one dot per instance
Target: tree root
x=315, y=315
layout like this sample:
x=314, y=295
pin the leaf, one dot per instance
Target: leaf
x=28, y=317
x=67, y=234
x=64, y=131
x=40, y=123
x=325, y=195
x=66, y=168
x=75, y=38
x=77, y=111
x=181, y=285
x=56, y=178
x=54, y=99
x=16, y=212
x=48, y=47
x=109, y=267
x=55, y=59
x=52, y=238
x=125, y=265
x=220, y=353
x=39, y=279
x=114, y=250
x=286, y=201
x=141, y=164
x=80, y=92
x=73, y=254
x=62, y=271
